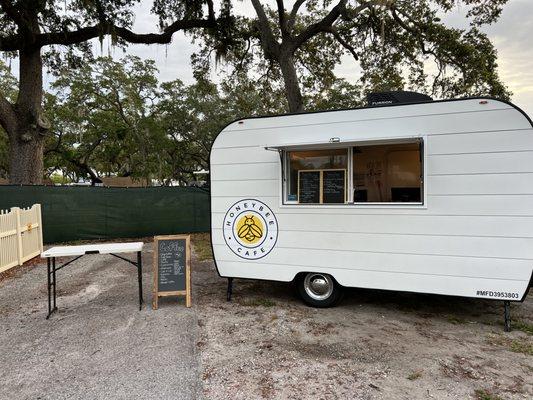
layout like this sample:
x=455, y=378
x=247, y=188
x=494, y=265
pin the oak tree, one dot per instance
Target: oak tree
x=113, y=118
x=193, y=115
x=55, y=33
x=396, y=44
x=103, y=120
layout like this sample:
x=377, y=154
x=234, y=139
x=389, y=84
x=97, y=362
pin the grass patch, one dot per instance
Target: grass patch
x=257, y=302
x=522, y=326
x=414, y=375
x=482, y=394
x=202, y=246
x=519, y=345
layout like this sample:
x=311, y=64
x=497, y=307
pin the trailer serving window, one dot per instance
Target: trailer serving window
x=387, y=173
x=362, y=173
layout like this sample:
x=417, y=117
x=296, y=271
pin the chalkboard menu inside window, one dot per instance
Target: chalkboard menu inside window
x=171, y=272
x=334, y=186
x=309, y=186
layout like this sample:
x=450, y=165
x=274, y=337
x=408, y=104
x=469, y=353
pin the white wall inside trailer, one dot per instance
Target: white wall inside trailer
x=474, y=232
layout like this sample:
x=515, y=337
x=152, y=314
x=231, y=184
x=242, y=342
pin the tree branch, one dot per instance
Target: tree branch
x=79, y=162
x=210, y=10
x=327, y=22
x=268, y=40
x=55, y=149
x=421, y=37
x=343, y=42
x=292, y=16
x=106, y=28
x=281, y=17
x=91, y=149
x=121, y=108
x=320, y=26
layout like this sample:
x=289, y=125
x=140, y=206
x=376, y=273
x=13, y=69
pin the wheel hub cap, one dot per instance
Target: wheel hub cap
x=318, y=286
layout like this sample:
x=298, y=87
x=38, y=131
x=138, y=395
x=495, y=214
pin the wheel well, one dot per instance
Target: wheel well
x=301, y=274
x=298, y=276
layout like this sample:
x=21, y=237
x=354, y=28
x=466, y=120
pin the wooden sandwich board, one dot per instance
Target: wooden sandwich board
x=171, y=268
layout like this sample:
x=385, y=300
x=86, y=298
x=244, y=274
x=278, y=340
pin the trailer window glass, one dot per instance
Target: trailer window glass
x=387, y=173
x=317, y=176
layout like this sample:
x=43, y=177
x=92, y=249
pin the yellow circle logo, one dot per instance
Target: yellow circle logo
x=250, y=229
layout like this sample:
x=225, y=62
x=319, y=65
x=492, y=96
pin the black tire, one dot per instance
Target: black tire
x=318, y=290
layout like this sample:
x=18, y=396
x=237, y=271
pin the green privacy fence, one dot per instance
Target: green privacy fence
x=73, y=212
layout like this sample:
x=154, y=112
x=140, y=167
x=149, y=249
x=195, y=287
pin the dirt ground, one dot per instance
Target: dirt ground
x=265, y=344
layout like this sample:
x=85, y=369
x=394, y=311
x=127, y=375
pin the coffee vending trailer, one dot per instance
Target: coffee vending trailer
x=425, y=196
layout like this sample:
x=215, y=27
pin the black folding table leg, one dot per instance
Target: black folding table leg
x=54, y=280
x=48, y=272
x=140, y=278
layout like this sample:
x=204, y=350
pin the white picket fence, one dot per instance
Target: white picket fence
x=21, y=235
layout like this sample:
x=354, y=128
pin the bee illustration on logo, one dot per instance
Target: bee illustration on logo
x=250, y=231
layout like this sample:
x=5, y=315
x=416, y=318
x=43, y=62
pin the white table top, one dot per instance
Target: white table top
x=103, y=248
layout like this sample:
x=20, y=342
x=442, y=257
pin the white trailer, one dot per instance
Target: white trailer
x=433, y=197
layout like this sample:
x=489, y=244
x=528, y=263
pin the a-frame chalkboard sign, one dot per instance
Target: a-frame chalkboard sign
x=172, y=268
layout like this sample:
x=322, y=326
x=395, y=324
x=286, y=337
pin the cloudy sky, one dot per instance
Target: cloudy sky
x=512, y=36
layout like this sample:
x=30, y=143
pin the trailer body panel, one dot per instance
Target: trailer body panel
x=471, y=234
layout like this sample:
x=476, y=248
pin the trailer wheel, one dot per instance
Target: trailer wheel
x=318, y=289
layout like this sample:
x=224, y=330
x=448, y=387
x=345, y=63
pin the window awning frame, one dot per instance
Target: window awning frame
x=339, y=144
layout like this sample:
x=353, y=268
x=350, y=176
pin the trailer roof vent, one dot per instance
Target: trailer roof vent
x=398, y=97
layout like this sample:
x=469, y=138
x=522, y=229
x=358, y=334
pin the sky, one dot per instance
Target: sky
x=512, y=36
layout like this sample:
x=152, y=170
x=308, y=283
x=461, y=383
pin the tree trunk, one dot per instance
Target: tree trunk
x=26, y=161
x=27, y=139
x=292, y=87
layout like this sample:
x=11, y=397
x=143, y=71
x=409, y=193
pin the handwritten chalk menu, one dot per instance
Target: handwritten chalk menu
x=309, y=186
x=171, y=268
x=333, y=186
x=171, y=265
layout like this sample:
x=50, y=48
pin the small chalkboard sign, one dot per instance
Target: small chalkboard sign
x=309, y=186
x=171, y=268
x=333, y=186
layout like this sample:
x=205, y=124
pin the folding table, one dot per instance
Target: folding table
x=79, y=251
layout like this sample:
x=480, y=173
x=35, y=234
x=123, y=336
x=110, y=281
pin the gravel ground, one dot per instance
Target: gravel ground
x=265, y=344
x=98, y=345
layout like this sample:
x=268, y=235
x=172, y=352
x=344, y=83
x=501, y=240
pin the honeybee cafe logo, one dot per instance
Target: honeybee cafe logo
x=250, y=229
